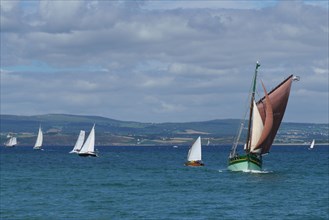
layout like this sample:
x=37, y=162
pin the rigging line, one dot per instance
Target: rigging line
x=246, y=104
x=242, y=122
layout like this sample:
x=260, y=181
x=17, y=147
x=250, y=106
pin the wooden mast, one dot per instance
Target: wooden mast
x=251, y=108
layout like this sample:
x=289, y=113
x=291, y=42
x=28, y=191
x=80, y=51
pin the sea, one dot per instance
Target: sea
x=151, y=182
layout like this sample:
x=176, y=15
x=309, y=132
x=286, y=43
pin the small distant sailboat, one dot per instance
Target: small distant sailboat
x=79, y=142
x=89, y=145
x=265, y=117
x=194, y=154
x=12, y=142
x=39, y=141
x=312, y=145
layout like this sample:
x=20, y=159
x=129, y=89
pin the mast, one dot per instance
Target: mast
x=251, y=107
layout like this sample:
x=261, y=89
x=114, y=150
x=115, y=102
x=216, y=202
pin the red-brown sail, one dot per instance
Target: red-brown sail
x=278, y=98
x=268, y=124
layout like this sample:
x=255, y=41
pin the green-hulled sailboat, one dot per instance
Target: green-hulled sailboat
x=265, y=117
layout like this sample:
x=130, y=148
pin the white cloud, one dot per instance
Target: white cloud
x=139, y=61
x=7, y=6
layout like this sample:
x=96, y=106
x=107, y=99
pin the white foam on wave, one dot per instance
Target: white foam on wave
x=257, y=171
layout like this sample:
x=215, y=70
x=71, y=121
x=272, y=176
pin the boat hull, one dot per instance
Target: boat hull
x=194, y=163
x=9, y=146
x=245, y=163
x=87, y=154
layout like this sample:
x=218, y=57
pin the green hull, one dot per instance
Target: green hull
x=245, y=163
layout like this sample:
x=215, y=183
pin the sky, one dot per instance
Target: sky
x=161, y=61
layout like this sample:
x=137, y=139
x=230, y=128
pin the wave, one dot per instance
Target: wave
x=257, y=171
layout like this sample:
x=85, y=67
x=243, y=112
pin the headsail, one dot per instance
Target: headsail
x=268, y=124
x=257, y=128
x=79, y=142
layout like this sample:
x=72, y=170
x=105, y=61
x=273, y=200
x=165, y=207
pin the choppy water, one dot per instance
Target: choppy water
x=152, y=183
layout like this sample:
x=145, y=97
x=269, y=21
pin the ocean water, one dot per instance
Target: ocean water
x=152, y=183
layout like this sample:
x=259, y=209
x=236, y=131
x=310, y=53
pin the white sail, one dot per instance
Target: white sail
x=89, y=145
x=38, y=142
x=79, y=142
x=257, y=129
x=312, y=144
x=11, y=142
x=194, y=154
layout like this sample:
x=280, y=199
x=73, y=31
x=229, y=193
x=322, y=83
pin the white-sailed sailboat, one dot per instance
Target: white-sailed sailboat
x=194, y=154
x=79, y=142
x=38, y=142
x=312, y=145
x=12, y=142
x=88, y=148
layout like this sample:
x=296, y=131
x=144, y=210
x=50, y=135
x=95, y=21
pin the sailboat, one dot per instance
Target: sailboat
x=265, y=117
x=194, y=154
x=312, y=145
x=12, y=141
x=89, y=145
x=79, y=142
x=38, y=142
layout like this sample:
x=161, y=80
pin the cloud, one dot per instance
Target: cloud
x=155, y=61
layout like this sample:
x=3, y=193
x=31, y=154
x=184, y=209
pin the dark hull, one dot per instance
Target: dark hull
x=88, y=155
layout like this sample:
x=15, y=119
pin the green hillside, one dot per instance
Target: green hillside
x=62, y=129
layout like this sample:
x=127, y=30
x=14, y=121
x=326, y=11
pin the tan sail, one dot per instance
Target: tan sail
x=268, y=124
x=278, y=98
x=257, y=129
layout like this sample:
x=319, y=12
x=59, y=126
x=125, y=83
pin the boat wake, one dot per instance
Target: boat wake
x=257, y=171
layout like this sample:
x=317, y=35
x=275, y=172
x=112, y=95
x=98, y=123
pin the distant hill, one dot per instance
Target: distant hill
x=62, y=129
